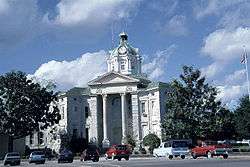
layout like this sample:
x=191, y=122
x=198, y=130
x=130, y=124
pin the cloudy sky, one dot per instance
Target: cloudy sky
x=67, y=41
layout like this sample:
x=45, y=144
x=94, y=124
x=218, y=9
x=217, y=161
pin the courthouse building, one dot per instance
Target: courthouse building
x=121, y=102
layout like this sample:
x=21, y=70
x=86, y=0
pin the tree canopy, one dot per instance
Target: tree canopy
x=242, y=118
x=192, y=109
x=25, y=106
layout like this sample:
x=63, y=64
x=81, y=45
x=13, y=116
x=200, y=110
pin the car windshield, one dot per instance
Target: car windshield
x=12, y=154
x=91, y=150
x=179, y=144
x=38, y=153
x=121, y=147
x=65, y=152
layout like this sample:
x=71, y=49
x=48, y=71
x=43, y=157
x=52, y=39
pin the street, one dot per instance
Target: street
x=155, y=162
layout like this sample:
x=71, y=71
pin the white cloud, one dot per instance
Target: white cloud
x=236, y=76
x=19, y=21
x=214, y=7
x=227, y=44
x=67, y=74
x=230, y=13
x=93, y=12
x=230, y=93
x=4, y=6
x=211, y=70
x=224, y=46
x=176, y=26
x=155, y=67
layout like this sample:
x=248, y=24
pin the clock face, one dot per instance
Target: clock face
x=122, y=50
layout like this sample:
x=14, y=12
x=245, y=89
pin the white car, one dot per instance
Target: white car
x=172, y=149
x=37, y=157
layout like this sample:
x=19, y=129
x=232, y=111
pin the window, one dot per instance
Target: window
x=75, y=109
x=86, y=112
x=40, y=138
x=166, y=145
x=74, y=132
x=31, y=139
x=143, y=107
x=75, y=99
x=123, y=65
x=153, y=104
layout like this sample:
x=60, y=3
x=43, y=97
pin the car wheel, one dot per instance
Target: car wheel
x=119, y=159
x=182, y=156
x=225, y=156
x=170, y=157
x=127, y=158
x=209, y=154
x=194, y=155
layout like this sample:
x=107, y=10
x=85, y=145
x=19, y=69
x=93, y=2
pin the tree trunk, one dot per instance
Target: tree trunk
x=10, y=144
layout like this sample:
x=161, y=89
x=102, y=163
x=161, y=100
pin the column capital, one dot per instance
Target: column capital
x=104, y=96
x=123, y=94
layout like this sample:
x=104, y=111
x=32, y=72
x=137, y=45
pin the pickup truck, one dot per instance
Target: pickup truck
x=171, y=149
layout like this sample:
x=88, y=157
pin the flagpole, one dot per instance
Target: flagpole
x=245, y=57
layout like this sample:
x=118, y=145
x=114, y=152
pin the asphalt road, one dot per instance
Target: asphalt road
x=148, y=162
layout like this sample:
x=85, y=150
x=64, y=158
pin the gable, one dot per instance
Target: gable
x=112, y=78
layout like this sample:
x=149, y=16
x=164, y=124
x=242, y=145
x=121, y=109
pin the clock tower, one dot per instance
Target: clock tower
x=124, y=59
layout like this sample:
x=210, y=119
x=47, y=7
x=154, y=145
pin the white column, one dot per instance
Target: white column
x=124, y=111
x=104, y=103
x=105, y=141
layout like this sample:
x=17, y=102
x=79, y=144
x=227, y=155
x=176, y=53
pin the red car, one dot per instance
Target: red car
x=118, y=152
x=209, y=150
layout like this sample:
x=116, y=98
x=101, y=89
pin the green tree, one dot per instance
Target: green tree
x=225, y=124
x=151, y=140
x=191, y=107
x=242, y=118
x=25, y=106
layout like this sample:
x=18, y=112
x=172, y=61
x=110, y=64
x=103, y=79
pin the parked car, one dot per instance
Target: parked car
x=12, y=158
x=118, y=152
x=91, y=153
x=173, y=148
x=210, y=150
x=37, y=157
x=66, y=156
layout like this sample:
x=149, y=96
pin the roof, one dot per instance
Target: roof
x=76, y=91
x=101, y=79
x=153, y=85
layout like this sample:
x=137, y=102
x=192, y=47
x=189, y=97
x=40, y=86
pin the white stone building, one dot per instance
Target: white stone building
x=119, y=103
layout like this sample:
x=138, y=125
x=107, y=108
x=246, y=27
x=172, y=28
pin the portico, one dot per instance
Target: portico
x=114, y=100
x=115, y=118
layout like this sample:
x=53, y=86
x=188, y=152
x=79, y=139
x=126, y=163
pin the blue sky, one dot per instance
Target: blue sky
x=67, y=41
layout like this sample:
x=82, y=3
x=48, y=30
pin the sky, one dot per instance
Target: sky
x=67, y=41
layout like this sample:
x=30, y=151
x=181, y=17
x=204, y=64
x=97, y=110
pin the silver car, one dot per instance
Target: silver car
x=37, y=157
x=12, y=158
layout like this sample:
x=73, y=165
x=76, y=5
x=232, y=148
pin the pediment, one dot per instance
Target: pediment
x=112, y=78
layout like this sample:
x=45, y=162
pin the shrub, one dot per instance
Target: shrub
x=130, y=140
x=152, y=141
